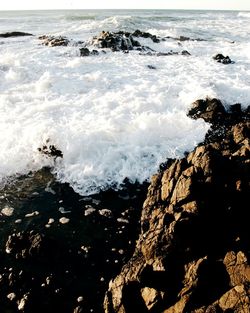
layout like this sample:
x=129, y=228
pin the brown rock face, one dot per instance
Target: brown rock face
x=193, y=251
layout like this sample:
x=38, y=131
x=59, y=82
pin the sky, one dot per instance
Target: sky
x=128, y=4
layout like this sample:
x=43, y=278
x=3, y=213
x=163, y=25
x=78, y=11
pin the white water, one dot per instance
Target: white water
x=110, y=115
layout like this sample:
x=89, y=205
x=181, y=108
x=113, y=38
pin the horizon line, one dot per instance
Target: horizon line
x=119, y=9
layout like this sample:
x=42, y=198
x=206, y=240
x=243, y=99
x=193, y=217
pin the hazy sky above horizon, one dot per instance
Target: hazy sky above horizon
x=129, y=4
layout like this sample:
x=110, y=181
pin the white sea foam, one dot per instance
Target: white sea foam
x=110, y=115
x=244, y=14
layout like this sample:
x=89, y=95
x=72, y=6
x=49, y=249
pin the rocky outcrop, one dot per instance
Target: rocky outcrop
x=192, y=255
x=53, y=41
x=14, y=34
x=125, y=41
x=115, y=41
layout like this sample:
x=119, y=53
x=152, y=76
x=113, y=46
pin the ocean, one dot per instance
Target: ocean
x=112, y=116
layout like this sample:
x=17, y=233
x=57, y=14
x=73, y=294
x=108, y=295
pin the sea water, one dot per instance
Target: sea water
x=112, y=116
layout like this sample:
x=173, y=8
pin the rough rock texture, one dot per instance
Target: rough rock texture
x=193, y=251
x=53, y=41
x=115, y=41
x=125, y=41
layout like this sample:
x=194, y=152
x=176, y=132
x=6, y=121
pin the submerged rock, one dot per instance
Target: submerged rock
x=50, y=150
x=84, y=52
x=160, y=54
x=14, y=34
x=24, y=244
x=7, y=211
x=193, y=251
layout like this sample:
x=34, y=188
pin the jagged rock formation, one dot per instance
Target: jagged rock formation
x=116, y=41
x=125, y=41
x=192, y=255
x=54, y=41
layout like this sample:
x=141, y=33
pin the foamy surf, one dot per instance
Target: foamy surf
x=111, y=116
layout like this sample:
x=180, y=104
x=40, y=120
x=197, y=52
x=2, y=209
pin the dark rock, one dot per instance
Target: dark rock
x=84, y=52
x=183, y=38
x=185, y=52
x=235, y=109
x=23, y=245
x=151, y=67
x=193, y=251
x=14, y=34
x=115, y=41
x=211, y=110
x=122, y=41
x=139, y=33
x=160, y=54
x=94, y=52
x=50, y=150
x=222, y=59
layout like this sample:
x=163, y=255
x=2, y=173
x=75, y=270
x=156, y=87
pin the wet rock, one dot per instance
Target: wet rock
x=64, y=220
x=24, y=244
x=7, y=211
x=193, y=251
x=115, y=41
x=84, y=52
x=211, y=110
x=139, y=33
x=54, y=41
x=183, y=38
x=122, y=41
x=50, y=150
x=106, y=213
x=185, y=52
x=14, y=34
x=23, y=302
x=222, y=59
x=78, y=309
x=170, y=53
x=151, y=67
